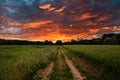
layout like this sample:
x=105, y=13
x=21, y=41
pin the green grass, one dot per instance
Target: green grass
x=61, y=70
x=105, y=57
x=22, y=62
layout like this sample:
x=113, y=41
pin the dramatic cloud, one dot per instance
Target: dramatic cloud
x=58, y=19
x=45, y=6
x=36, y=24
x=61, y=9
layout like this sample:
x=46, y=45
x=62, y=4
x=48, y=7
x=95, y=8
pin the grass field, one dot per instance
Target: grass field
x=95, y=62
x=21, y=62
x=105, y=57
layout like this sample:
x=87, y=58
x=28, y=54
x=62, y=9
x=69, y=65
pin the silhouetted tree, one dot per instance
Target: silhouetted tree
x=111, y=38
x=58, y=42
x=105, y=39
x=46, y=42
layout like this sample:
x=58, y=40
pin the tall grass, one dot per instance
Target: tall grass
x=105, y=57
x=22, y=62
x=61, y=70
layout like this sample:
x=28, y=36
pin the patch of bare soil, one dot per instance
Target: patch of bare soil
x=46, y=73
x=76, y=74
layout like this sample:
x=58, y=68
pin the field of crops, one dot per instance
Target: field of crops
x=21, y=62
x=69, y=62
x=105, y=57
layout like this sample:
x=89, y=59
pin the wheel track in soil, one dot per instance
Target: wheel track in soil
x=76, y=74
x=61, y=70
x=47, y=72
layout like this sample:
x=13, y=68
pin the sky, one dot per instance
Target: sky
x=58, y=19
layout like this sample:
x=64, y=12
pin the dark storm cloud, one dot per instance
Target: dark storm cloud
x=63, y=17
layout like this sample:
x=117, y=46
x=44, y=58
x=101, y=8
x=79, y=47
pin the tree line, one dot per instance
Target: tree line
x=105, y=39
x=112, y=38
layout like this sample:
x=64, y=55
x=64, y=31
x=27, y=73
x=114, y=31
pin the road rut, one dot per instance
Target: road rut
x=76, y=74
x=45, y=75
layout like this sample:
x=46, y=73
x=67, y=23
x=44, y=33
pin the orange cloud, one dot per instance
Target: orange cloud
x=51, y=9
x=91, y=23
x=86, y=16
x=104, y=17
x=61, y=9
x=55, y=37
x=115, y=28
x=49, y=30
x=7, y=36
x=112, y=28
x=106, y=28
x=80, y=36
x=45, y=6
x=94, y=30
x=1, y=35
x=52, y=36
x=36, y=24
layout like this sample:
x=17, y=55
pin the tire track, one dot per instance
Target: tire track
x=61, y=70
x=45, y=75
x=49, y=70
x=90, y=70
x=76, y=74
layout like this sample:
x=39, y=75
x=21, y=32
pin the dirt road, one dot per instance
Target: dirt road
x=46, y=73
x=76, y=74
x=60, y=69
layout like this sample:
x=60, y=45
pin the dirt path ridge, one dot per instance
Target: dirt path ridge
x=45, y=75
x=74, y=70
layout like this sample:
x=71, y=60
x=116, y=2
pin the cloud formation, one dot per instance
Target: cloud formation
x=11, y=30
x=58, y=19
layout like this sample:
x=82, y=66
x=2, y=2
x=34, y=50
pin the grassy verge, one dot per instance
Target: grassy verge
x=105, y=57
x=22, y=62
x=61, y=70
x=83, y=66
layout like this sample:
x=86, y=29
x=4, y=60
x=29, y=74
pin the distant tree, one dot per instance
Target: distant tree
x=111, y=38
x=105, y=39
x=19, y=42
x=58, y=42
x=73, y=41
x=95, y=41
x=46, y=42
